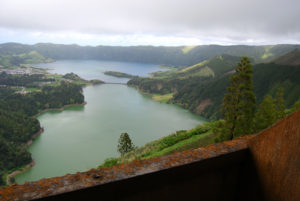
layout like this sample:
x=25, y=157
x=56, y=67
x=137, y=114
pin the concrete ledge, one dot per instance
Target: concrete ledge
x=101, y=176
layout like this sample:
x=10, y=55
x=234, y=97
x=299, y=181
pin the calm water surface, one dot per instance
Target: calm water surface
x=82, y=137
x=93, y=69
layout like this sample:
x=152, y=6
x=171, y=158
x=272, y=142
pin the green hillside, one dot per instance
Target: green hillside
x=24, y=58
x=171, y=81
x=204, y=94
x=291, y=58
x=205, y=98
x=218, y=65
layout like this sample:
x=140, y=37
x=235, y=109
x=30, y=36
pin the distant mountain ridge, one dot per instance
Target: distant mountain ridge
x=176, y=56
x=292, y=58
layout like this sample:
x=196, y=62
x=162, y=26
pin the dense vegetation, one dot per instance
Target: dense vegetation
x=24, y=80
x=17, y=126
x=50, y=97
x=16, y=129
x=204, y=95
x=177, y=56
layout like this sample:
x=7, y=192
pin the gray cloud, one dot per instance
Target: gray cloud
x=235, y=20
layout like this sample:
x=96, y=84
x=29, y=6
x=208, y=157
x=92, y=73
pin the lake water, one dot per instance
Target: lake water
x=93, y=69
x=82, y=137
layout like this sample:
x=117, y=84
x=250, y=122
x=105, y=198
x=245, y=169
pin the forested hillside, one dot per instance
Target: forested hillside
x=204, y=94
x=291, y=58
x=17, y=126
x=24, y=80
x=177, y=56
x=205, y=98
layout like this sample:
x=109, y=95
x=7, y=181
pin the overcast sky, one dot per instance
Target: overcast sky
x=150, y=22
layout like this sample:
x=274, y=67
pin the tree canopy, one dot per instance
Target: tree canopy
x=125, y=144
x=239, y=102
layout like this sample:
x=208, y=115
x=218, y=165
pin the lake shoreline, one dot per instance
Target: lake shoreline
x=16, y=172
x=28, y=143
x=59, y=109
x=27, y=166
x=33, y=137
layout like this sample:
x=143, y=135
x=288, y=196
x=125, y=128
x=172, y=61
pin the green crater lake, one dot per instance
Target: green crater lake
x=82, y=137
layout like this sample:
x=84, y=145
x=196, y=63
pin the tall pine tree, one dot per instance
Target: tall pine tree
x=239, y=102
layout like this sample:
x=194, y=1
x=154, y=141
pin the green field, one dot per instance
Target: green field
x=162, y=98
x=33, y=90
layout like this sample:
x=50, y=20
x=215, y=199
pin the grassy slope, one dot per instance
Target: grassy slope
x=215, y=66
x=187, y=49
x=181, y=140
x=162, y=98
x=25, y=58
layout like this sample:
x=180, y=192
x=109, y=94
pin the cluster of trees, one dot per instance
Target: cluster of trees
x=58, y=96
x=49, y=97
x=16, y=128
x=12, y=155
x=17, y=124
x=269, y=111
x=239, y=110
x=24, y=80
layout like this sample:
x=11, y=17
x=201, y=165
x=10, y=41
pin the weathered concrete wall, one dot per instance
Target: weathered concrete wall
x=276, y=153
